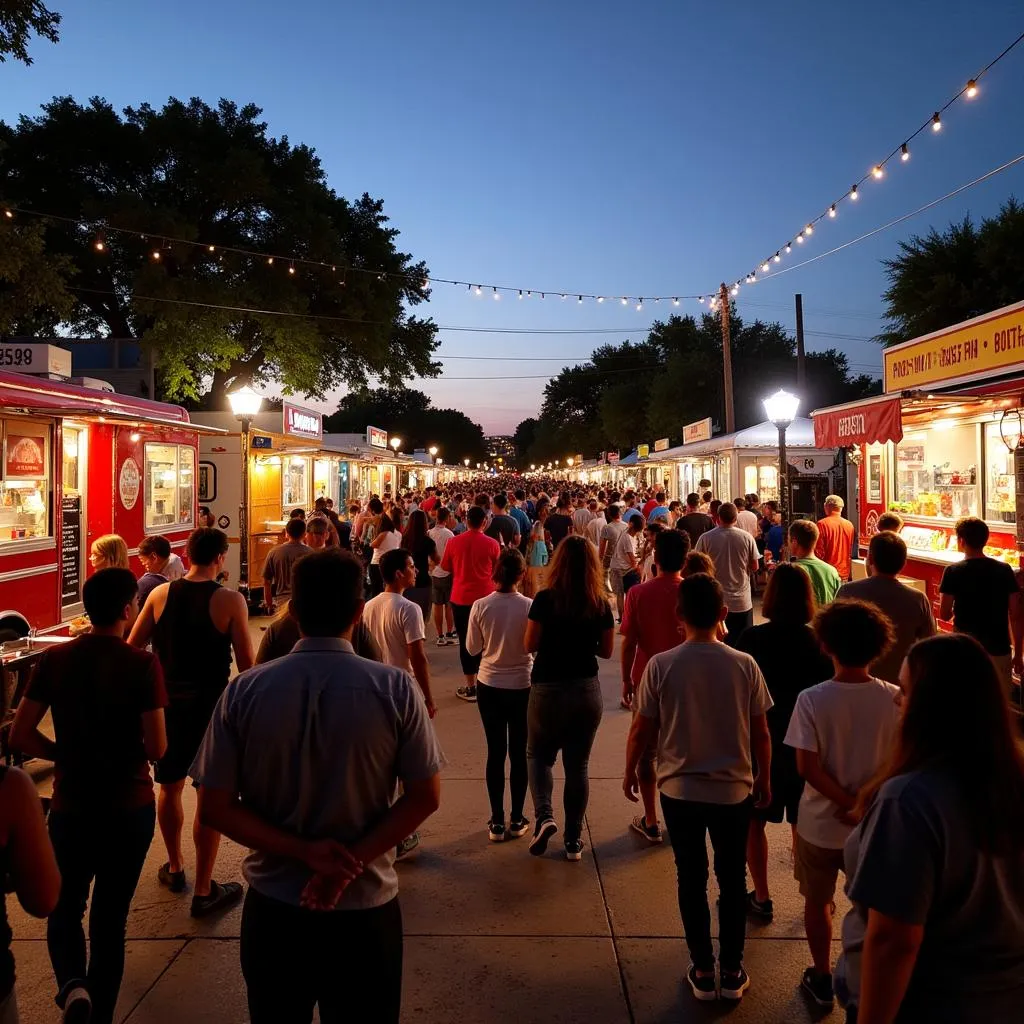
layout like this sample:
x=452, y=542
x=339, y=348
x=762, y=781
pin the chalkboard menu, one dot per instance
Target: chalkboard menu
x=71, y=550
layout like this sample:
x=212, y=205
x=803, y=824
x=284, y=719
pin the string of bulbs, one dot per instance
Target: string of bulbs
x=496, y=291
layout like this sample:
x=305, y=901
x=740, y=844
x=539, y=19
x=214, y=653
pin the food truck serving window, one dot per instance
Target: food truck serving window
x=170, y=486
x=25, y=488
x=936, y=472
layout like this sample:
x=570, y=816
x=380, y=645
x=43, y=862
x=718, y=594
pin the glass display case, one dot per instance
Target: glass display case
x=25, y=487
x=295, y=482
x=1000, y=490
x=936, y=472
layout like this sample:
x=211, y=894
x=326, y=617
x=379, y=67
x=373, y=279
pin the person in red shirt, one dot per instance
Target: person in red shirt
x=470, y=558
x=835, y=537
x=650, y=626
x=652, y=503
x=429, y=503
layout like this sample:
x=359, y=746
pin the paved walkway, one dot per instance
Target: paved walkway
x=491, y=933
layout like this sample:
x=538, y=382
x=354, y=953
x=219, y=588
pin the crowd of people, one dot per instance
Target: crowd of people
x=889, y=749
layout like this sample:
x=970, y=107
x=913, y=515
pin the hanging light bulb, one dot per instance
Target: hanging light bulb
x=155, y=254
x=778, y=257
x=789, y=248
x=579, y=300
x=700, y=299
x=624, y=300
x=542, y=295
x=904, y=152
x=765, y=267
x=809, y=230
x=496, y=295
x=210, y=248
x=736, y=288
x=936, y=122
x=832, y=210
x=99, y=245
x=853, y=191
x=479, y=290
x=520, y=293
x=640, y=305
x=563, y=295
x=600, y=298
x=800, y=238
x=291, y=268
x=877, y=171
x=270, y=261
x=9, y=214
x=675, y=302
x=528, y=294
x=972, y=89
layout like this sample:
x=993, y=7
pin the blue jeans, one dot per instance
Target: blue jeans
x=562, y=717
x=105, y=850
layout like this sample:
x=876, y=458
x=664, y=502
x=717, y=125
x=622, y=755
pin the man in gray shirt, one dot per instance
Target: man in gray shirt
x=908, y=609
x=736, y=559
x=300, y=764
x=280, y=563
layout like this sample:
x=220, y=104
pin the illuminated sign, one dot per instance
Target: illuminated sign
x=643, y=451
x=699, y=431
x=304, y=423
x=376, y=438
x=661, y=444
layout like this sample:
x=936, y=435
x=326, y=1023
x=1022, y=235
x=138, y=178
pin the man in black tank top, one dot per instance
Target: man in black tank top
x=194, y=625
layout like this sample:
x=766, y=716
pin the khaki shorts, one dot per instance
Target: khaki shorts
x=817, y=870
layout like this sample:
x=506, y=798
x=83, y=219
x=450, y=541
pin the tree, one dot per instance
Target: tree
x=18, y=20
x=409, y=414
x=942, y=279
x=217, y=318
x=32, y=284
x=525, y=435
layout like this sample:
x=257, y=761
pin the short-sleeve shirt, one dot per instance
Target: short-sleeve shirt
x=148, y=582
x=497, y=631
x=747, y=521
x=394, y=622
x=658, y=512
x=703, y=697
x=732, y=550
x=610, y=535
x=981, y=590
x=315, y=744
x=835, y=543
x=851, y=727
x=825, y=581
x=558, y=525
x=277, y=569
x=649, y=616
x=440, y=535
x=470, y=557
x=97, y=689
x=568, y=645
x=695, y=524
x=522, y=519
x=421, y=556
x=503, y=529
x=175, y=567
x=581, y=518
x=625, y=545
x=594, y=530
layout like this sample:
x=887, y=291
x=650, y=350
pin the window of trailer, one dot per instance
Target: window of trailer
x=25, y=486
x=170, y=487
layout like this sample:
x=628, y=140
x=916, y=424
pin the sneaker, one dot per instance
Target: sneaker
x=466, y=693
x=406, y=846
x=174, y=880
x=574, y=849
x=652, y=833
x=518, y=827
x=77, y=1007
x=703, y=985
x=542, y=833
x=818, y=987
x=764, y=909
x=496, y=831
x=733, y=985
x=452, y=636
x=443, y=641
x=221, y=897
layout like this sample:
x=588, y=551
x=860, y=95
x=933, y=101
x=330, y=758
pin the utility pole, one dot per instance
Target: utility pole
x=730, y=412
x=801, y=370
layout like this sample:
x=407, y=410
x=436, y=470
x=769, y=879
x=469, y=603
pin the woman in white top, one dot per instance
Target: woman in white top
x=388, y=537
x=497, y=631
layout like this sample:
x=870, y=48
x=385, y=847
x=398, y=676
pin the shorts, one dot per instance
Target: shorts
x=817, y=870
x=187, y=721
x=441, y=589
x=787, y=788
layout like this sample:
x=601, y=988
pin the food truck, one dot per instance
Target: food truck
x=79, y=462
x=943, y=441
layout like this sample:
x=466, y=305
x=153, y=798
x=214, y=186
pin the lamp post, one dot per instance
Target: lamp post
x=780, y=409
x=396, y=443
x=245, y=404
x=433, y=451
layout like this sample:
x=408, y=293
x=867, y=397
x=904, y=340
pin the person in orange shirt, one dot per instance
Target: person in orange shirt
x=835, y=537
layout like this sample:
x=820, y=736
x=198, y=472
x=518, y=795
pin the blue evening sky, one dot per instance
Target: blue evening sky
x=626, y=149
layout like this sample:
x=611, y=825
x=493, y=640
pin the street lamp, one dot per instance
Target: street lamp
x=569, y=462
x=396, y=443
x=533, y=466
x=245, y=404
x=780, y=409
x=433, y=451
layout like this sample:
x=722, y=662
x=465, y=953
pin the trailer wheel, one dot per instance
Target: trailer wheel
x=13, y=626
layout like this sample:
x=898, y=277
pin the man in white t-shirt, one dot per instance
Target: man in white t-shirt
x=441, y=581
x=625, y=560
x=746, y=520
x=595, y=526
x=396, y=623
x=583, y=514
x=736, y=557
x=843, y=731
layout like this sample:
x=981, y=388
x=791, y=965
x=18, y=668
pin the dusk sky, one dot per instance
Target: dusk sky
x=641, y=149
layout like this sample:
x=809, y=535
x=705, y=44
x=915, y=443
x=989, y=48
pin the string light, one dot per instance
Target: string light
x=972, y=89
x=479, y=290
x=765, y=267
x=736, y=288
x=832, y=210
x=904, y=152
x=778, y=257
x=809, y=230
x=789, y=248
x=675, y=302
x=496, y=295
x=520, y=293
x=624, y=300
x=291, y=268
x=270, y=261
x=155, y=254
x=99, y=245
x=853, y=192
x=9, y=214
x=936, y=122
x=579, y=299
x=210, y=249
x=600, y=299
x=800, y=238
x=877, y=171
x=640, y=306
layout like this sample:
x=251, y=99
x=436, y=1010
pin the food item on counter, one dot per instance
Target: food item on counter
x=80, y=625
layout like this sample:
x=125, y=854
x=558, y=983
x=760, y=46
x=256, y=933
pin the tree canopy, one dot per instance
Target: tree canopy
x=18, y=20
x=215, y=318
x=410, y=415
x=946, y=277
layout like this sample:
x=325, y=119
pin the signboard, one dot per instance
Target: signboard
x=814, y=465
x=864, y=423
x=643, y=451
x=980, y=347
x=23, y=357
x=261, y=441
x=376, y=438
x=661, y=444
x=613, y=457
x=128, y=481
x=699, y=431
x=70, y=550
x=304, y=423
x=26, y=456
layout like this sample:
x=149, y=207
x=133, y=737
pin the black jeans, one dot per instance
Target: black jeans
x=688, y=823
x=347, y=962
x=460, y=614
x=503, y=713
x=108, y=849
x=736, y=623
x=563, y=716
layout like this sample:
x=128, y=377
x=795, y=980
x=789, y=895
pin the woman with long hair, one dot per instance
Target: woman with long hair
x=387, y=538
x=571, y=626
x=537, y=557
x=935, y=870
x=421, y=546
x=790, y=659
x=108, y=552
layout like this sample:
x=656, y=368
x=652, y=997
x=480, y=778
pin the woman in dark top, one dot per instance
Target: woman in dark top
x=559, y=522
x=790, y=660
x=570, y=627
x=422, y=548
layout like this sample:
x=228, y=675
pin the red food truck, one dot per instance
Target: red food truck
x=77, y=463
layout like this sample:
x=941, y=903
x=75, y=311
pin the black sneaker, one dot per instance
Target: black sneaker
x=407, y=845
x=763, y=909
x=174, y=880
x=703, y=985
x=574, y=849
x=733, y=985
x=652, y=833
x=77, y=1006
x=818, y=987
x=221, y=897
x=466, y=693
x=453, y=635
x=496, y=831
x=518, y=827
x=541, y=834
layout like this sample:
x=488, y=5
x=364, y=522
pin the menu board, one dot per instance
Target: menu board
x=71, y=550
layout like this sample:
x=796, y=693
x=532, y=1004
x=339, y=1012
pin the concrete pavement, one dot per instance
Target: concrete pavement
x=491, y=933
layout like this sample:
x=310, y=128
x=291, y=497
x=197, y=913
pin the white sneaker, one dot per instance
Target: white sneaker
x=77, y=1007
